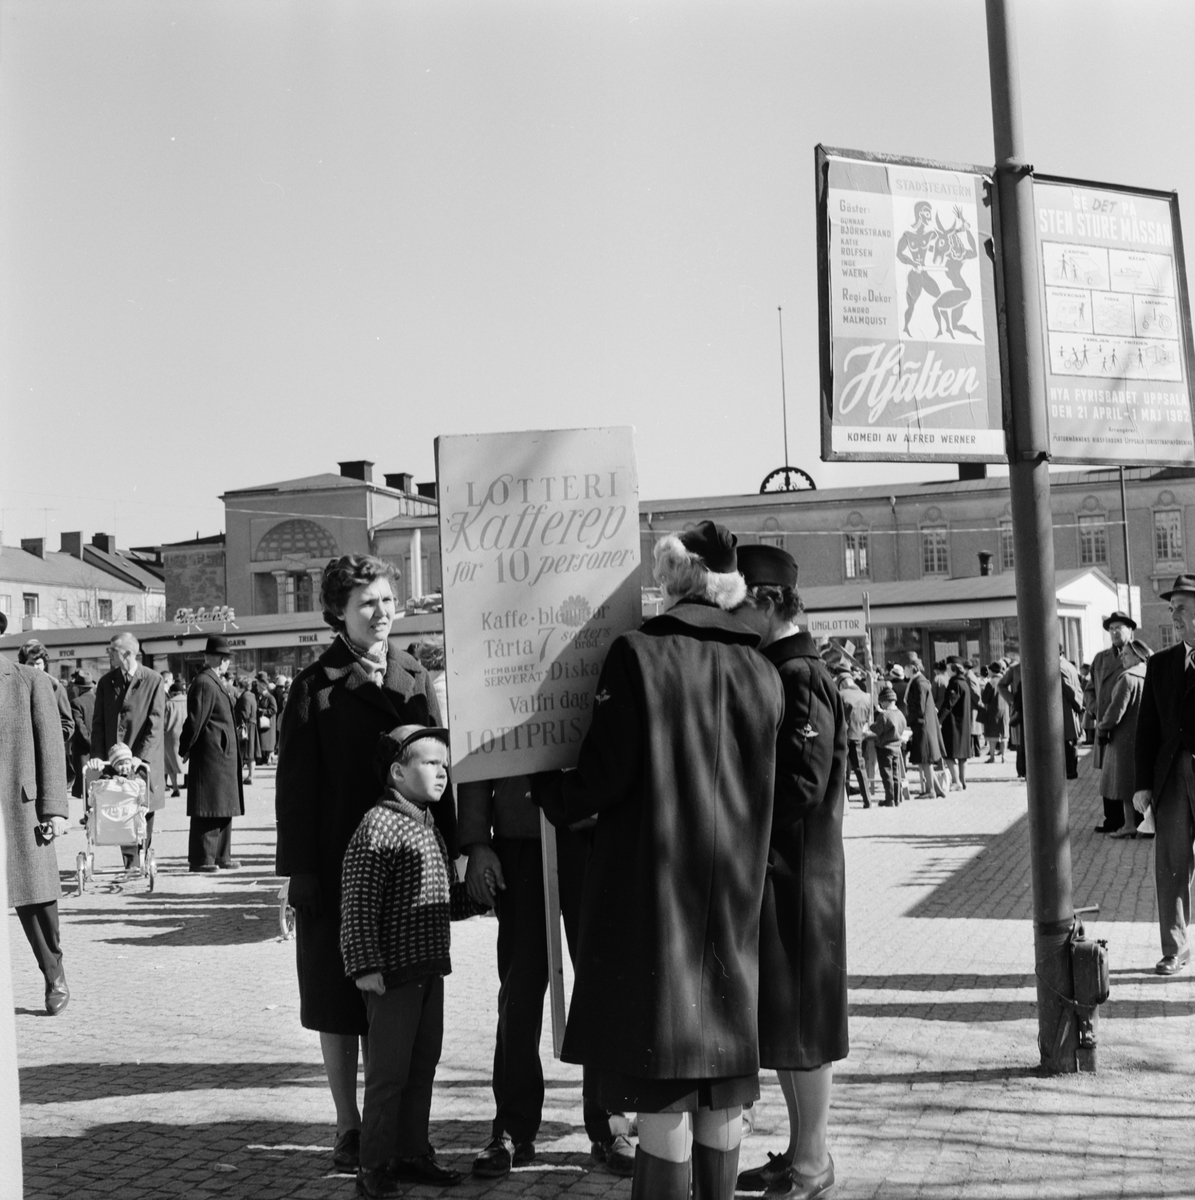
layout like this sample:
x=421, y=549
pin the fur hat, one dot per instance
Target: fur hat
x=714, y=545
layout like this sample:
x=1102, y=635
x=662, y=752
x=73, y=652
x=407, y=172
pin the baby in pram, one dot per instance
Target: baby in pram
x=123, y=765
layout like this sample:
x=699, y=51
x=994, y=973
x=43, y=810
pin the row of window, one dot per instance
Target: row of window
x=31, y=607
x=1093, y=545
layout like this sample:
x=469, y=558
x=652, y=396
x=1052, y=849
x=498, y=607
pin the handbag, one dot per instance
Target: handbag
x=263, y=722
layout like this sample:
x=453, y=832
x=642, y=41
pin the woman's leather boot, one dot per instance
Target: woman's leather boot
x=659, y=1179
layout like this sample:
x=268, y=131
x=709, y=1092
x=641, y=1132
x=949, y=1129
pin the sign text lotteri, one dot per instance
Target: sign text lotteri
x=1117, y=335
x=539, y=542
x=910, y=363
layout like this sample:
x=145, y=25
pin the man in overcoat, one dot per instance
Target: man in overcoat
x=130, y=707
x=1105, y=667
x=1166, y=773
x=212, y=749
x=33, y=799
x=83, y=710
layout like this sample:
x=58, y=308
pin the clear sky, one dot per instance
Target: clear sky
x=241, y=241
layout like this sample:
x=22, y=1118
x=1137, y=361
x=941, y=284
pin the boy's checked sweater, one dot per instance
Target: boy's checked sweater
x=399, y=892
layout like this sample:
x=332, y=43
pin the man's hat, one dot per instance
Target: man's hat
x=1184, y=583
x=896, y=671
x=83, y=678
x=1124, y=618
x=714, y=545
x=767, y=566
x=218, y=645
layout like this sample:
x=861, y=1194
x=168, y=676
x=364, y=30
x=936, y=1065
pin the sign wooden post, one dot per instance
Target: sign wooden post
x=539, y=545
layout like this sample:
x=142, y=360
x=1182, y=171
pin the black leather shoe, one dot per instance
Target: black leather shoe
x=204, y=869
x=795, y=1186
x=423, y=1169
x=1170, y=965
x=617, y=1153
x=57, y=995
x=759, y=1179
x=346, y=1153
x=377, y=1184
x=231, y=864
x=524, y=1153
x=494, y=1161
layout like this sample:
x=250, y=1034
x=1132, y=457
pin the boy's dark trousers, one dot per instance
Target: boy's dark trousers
x=523, y=979
x=890, y=772
x=406, y=1031
x=855, y=763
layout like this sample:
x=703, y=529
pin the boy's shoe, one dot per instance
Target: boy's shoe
x=346, y=1152
x=377, y=1184
x=494, y=1161
x=617, y=1153
x=524, y=1152
x=423, y=1169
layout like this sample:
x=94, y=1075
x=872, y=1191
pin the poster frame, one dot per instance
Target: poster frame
x=1181, y=294
x=989, y=269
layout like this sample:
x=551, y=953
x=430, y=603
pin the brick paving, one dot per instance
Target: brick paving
x=180, y=1068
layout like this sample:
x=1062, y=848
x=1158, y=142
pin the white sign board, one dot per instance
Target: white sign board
x=847, y=623
x=539, y=543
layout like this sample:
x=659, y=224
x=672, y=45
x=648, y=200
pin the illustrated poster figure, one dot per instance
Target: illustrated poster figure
x=956, y=245
x=912, y=249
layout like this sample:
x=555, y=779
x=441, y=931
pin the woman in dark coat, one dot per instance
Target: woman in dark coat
x=994, y=713
x=245, y=707
x=358, y=689
x=267, y=720
x=802, y=929
x=925, y=747
x=679, y=766
x=954, y=716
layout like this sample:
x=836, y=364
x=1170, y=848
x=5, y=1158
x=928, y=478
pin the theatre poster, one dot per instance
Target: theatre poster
x=1117, y=337
x=539, y=544
x=910, y=363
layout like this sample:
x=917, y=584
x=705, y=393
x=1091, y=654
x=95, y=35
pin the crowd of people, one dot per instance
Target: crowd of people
x=699, y=837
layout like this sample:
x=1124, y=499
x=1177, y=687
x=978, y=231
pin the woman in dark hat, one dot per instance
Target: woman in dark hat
x=802, y=931
x=358, y=689
x=679, y=765
x=954, y=717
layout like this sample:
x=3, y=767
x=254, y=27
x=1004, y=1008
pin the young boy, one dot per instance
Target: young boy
x=399, y=893
x=890, y=729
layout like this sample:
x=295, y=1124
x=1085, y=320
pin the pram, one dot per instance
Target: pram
x=115, y=817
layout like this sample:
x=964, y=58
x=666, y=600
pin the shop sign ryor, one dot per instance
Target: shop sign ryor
x=1117, y=336
x=910, y=363
x=539, y=539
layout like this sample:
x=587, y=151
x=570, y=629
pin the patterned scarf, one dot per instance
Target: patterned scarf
x=374, y=663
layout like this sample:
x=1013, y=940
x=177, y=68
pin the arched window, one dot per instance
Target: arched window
x=297, y=538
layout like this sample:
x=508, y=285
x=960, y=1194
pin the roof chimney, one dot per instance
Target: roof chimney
x=985, y=563
x=427, y=489
x=72, y=544
x=105, y=542
x=359, y=468
x=34, y=546
x=400, y=481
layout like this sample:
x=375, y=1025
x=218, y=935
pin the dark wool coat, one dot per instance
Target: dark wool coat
x=994, y=712
x=1166, y=718
x=83, y=710
x=325, y=784
x=138, y=720
x=954, y=716
x=802, y=928
x=32, y=780
x=212, y=749
x=1118, y=779
x=267, y=706
x=926, y=744
x=245, y=707
x=679, y=766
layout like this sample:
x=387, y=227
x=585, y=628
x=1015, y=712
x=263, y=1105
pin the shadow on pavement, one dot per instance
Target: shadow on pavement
x=55, y=1082
x=937, y=983
x=225, y=917
x=264, y=1160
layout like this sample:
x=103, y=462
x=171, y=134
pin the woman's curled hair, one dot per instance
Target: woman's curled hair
x=683, y=575
x=345, y=573
x=785, y=601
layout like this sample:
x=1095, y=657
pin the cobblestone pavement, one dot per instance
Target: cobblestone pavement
x=180, y=1069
